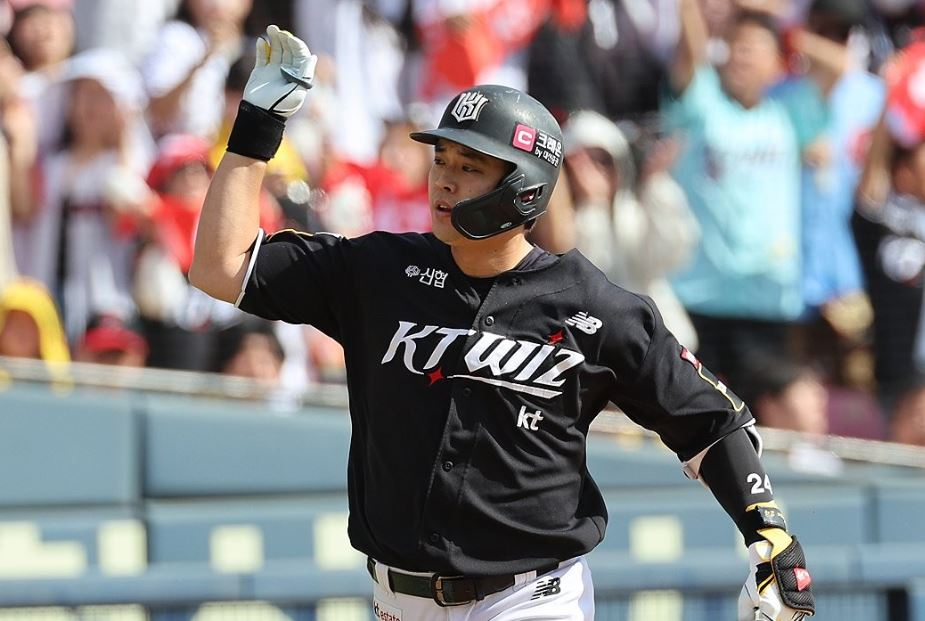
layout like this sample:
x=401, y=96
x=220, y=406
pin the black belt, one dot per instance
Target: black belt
x=449, y=590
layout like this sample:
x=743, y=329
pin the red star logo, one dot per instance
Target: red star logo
x=556, y=337
x=435, y=376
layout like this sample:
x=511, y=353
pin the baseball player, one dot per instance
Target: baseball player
x=476, y=363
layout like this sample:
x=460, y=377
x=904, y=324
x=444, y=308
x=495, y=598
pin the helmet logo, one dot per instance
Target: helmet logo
x=538, y=143
x=469, y=106
x=524, y=137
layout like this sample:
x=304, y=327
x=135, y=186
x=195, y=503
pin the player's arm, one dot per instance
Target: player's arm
x=227, y=227
x=228, y=224
x=778, y=584
x=709, y=428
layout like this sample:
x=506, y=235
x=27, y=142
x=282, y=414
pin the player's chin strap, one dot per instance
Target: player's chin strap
x=779, y=565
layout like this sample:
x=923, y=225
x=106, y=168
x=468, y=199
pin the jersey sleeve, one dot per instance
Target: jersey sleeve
x=672, y=393
x=298, y=278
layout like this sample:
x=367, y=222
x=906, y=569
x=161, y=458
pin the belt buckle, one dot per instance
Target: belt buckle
x=437, y=588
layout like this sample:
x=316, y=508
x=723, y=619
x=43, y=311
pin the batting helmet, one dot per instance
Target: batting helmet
x=510, y=125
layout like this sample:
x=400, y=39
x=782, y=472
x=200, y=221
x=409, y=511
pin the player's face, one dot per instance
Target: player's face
x=458, y=173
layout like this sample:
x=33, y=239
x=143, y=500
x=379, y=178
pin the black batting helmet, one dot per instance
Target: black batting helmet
x=512, y=126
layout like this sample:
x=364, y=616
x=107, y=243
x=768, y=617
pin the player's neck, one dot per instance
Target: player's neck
x=490, y=257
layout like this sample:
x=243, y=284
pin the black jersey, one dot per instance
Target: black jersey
x=470, y=416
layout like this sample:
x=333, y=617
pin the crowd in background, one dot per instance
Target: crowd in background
x=757, y=167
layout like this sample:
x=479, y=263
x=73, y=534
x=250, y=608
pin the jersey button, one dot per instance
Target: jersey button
x=434, y=538
x=447, y=465
x=517, y=281
x=466, y=391
x=489, y=320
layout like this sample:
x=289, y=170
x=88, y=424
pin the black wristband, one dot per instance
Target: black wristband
x=257, y=133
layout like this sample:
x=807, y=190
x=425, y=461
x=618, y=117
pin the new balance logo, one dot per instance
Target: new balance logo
x=547, y=587
x=469, y=106
x=529, y=420
x=584, y=322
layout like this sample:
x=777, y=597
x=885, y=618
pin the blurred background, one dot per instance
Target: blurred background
x=757, y=167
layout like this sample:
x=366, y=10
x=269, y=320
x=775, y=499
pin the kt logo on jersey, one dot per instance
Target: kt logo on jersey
x=537, y=369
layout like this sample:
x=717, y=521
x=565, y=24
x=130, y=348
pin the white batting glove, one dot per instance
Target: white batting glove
x=283, y=74
x=778, y=584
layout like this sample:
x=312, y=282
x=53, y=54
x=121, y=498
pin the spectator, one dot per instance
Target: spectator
x=891, y=240
x=636, y=227
x=369, y=56
x=7, y=261
x=604, y=55
x=42, y=37
x=908, y=416
x=71, y=244
x=29, y=324
x=42, y=33
x=250, y=349
x=476, y=42
x=895, y=24
x=12, y=177
x=838, y=311
x=790, y=396
x=557, y=74
x=889, y=227
x=128, y=26
x=393, y=189
x=270, y=353
x=6, y=19
x=19, y=137
x=179, y=177
x=178, y=322
x=185, y=71
x=855, y=413
x=400, y=201
x=740, y=169
x=109, y=341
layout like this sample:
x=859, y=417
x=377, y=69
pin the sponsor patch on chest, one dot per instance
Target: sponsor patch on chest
x=427, y=275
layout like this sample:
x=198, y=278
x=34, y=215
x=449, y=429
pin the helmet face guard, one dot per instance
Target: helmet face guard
x=507, y=206
x=509, y=125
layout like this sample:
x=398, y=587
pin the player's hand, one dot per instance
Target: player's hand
x=283, y=73
x=778, y=585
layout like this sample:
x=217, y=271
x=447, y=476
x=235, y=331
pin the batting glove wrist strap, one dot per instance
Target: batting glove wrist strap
x=257, y=133
x=759, y=517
